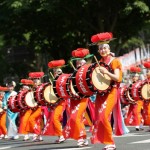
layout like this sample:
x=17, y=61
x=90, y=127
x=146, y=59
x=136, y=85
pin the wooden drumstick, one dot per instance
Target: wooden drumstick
x=72, y=65
x=98, y=64
x=52, y=75
x=97, y=61
x=50, y=81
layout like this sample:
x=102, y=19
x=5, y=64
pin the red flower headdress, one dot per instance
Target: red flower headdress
x=56, y=63
x=135, y=69
x=36, y=74
x=146, y=64
x=101, y=38
x=27, y=82
x=2, y=88
x=80, y=52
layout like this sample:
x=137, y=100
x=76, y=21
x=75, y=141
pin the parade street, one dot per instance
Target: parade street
x=135, y=140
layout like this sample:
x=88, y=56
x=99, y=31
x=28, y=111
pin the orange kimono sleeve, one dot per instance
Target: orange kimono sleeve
x=116, y=64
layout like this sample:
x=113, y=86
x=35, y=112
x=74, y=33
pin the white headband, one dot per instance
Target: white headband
x=57, y=70
x=25, y=86
x=80, y=62
x=12, y=83
x=104, y=45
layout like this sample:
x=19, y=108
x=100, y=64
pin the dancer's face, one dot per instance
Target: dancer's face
x=104, y=50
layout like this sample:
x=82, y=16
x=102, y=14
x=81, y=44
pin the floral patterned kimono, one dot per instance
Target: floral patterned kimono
x=75, y=127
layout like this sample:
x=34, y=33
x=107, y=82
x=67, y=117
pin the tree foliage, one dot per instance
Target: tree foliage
x=44, y=30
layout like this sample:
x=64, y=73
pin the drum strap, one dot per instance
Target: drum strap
x=111, y=60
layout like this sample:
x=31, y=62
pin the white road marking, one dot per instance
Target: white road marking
x=6, y=147
x=144, y=141
x=52, y=149
x=73, y=148
x=82, y=148
x=132, y=134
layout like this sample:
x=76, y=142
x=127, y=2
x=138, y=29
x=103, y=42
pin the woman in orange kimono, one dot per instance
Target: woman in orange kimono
x=106, y=104
x=53, y=125
x=75, y=127
x=26, y=113
x=36, y=122
x=3, y=129
x=24, y=117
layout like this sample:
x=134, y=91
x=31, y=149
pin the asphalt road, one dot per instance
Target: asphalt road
x=135, y=140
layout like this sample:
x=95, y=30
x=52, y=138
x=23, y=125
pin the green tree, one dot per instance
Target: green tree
x=48, y=30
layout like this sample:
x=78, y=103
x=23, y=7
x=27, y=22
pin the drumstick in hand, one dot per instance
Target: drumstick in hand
x=51, y=75
x=97, y=61
x=99, y=66
x=72, y=65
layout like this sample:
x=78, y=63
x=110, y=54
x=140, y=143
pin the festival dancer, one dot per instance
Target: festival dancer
x=109, y=102
x=11, y=117
x=26, y=112
x=35, y=122
x=75, y=127
x=54, y=124
x=134, y=116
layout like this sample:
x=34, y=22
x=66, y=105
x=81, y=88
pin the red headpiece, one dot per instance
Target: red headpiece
x=36, y=74
x=56, y=63
x=135, y=69
x=147, y=64
x=27, y=82
x=2, y=88
x=80, y=52
x=102, y=38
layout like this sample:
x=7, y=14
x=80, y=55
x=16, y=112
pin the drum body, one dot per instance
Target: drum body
x=83, y=81
x=45, y=95
x=20, y=99
x=90, y=80
x=145, y=90
x=136, y=90
x=13, y=104
x=128, y=95
x=62, y=86
x=26, y=99
x=72, y=88
x=122, y=92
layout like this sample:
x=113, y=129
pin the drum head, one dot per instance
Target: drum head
x=73, y=90
x=1, y=110
x=100, y=81
x=130, y=99
x=49, y=95
x=29, y=99
x=145, y=91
